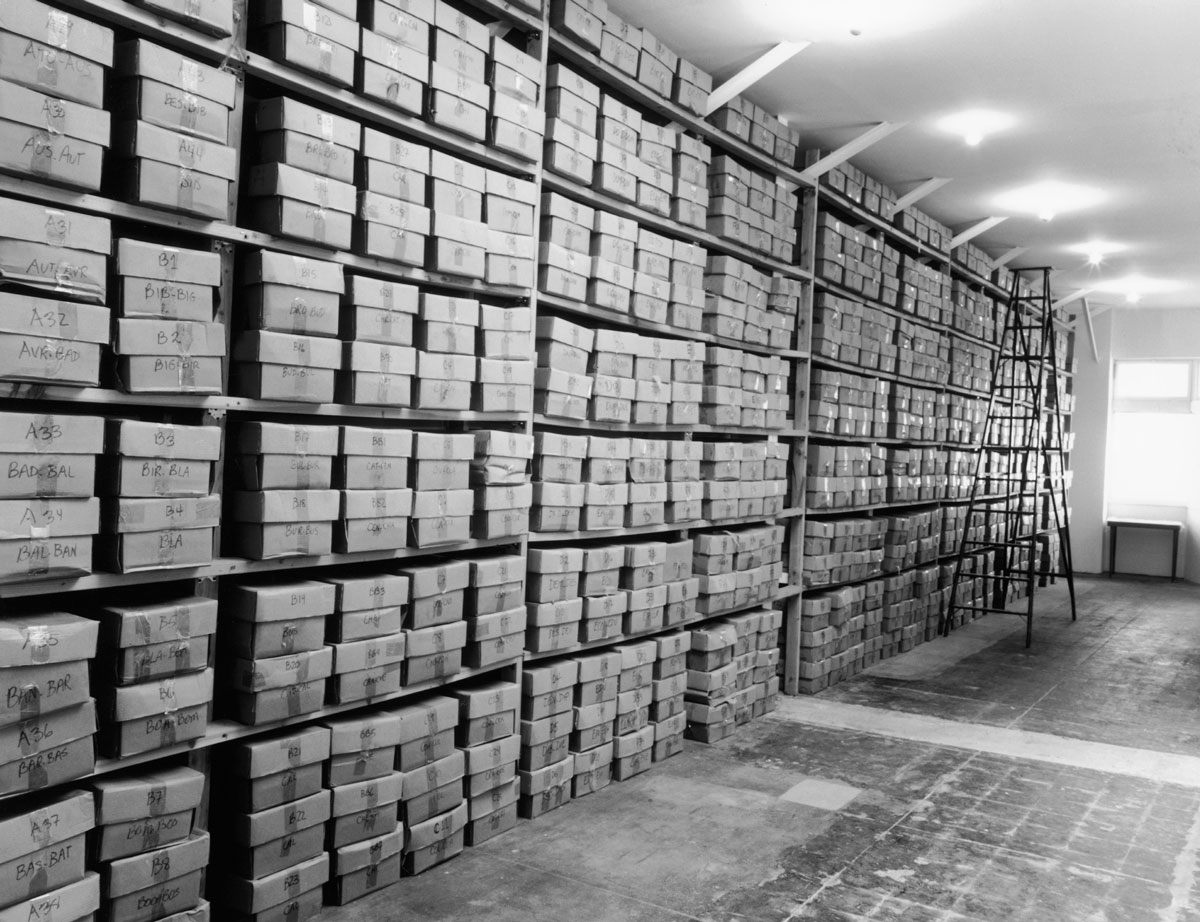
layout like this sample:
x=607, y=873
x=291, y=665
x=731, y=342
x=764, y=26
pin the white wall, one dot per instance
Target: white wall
x=1126, y=333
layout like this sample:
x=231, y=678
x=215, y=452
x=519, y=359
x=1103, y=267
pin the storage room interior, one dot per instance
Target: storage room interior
x=698, y=460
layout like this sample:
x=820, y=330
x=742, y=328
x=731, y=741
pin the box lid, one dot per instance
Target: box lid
x=57, y=116
x=58, y=29
x=136, y=439
x=277, y=753
x=154, y=793
x=138, y=872
x=140, y=625
x=39, y=821
x=55, y=227
x=52, y=637
x=289, y=114
x=269, y=267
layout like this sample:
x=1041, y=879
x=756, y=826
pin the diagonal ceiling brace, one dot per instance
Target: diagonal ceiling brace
x=1005, y=258
x=1073, y=296
x=871, y=136
x=1087, y=314
x=975, y=230
x=752, y=73
x=924, y=189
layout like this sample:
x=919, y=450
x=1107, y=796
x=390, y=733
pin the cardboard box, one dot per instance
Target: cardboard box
x=156, y=713
x=50, y=138
x=366, y=866
x=49, y=49
x=75, y=901
x=282, y=887
x=278, y=703
x=281, y=671
x=46, y=837
x=153, y=869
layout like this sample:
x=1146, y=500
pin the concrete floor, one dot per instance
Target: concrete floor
x=970, y=780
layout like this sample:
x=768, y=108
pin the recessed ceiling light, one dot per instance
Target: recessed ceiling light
x=1135, y=287
x=1049, y=198
x=973, y=125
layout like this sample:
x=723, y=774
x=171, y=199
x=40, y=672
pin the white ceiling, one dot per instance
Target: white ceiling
x=1105, y=93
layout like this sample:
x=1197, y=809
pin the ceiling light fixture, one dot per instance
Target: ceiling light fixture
x=1135, y=287
x=973, y=125
x=1096, y=250
x=1049, y=198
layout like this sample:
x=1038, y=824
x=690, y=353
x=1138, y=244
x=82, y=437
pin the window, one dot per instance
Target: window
x=1155, y=387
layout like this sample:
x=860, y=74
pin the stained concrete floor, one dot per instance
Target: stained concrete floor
x=970, y=780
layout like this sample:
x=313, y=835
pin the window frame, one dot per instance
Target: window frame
x=1186, y=404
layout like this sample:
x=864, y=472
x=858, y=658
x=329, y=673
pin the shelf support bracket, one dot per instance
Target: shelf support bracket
x=871, y=136
x=1073, y=296
x=752, y=73
x=1005, y=258
x=1087, y=315
x=975, y=230
x=924, y=189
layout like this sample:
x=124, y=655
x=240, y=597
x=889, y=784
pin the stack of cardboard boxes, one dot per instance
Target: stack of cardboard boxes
x=500, y=477
x=273, y=786
x=157, y=641
x=847, y=629
x=152, y=857
x=166, y=338
x=48, y=507
x=554, y=607
x=760, y=129
x=486, y=736
x=290, y=351
x=363, y=835
x=175, y=165
x=375, y=499
x=276, y=661
x=393, y=220
x=668, y=712
x=288, y=197
x=48, y=717
x=839, y=550
x=377, y=329
x=158, y=696
x=54, y=128
x=287, y=508
x=368, y=650
x=558, y=494
x=737, y=567
x=442, y=498
x=633, y=735
x=594, y=712
x=435, y=630
x=61, y=885
x=434, y=808
x=731, y=670
x=159, y=479
x=63, y=255
x=495, y=611
x=320, y=39
x=372, y=473
x=749, y=207
x=546, y=767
